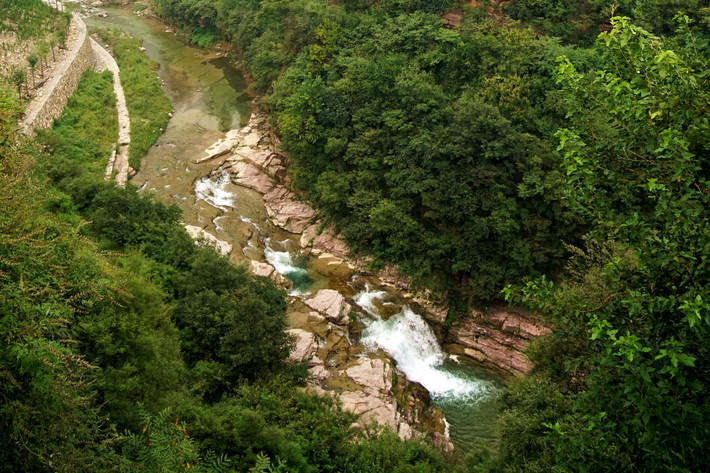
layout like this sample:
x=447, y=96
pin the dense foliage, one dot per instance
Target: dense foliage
x=438, y=149
x=471, y=156
x=582, y=20
x=426, y=146
x=122, y=349
x=636, y=156
x=30, y=18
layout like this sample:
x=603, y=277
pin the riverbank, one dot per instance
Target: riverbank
x=178, y=171
x=494, y=337
x=175, y=172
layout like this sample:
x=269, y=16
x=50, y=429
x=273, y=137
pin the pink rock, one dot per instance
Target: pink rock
x=261, y=269
x=370, y=408
x=331, y=304
x=374, y=374
x=249, y=176
x=305, y=344
x=329, y=242
x=499, y=337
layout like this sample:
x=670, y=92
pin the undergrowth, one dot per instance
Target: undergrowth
x=147, y=104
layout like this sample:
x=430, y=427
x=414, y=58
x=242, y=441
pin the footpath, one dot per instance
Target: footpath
x=84, y=53
x=119, y=160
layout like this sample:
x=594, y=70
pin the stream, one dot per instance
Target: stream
x=209, y=97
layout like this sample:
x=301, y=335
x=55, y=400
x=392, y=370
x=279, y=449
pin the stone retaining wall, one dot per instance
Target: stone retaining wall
x=42, y=111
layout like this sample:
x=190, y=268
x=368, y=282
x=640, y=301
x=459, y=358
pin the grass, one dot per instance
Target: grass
x=147, y=104
x=81, y=140
x=30, y=18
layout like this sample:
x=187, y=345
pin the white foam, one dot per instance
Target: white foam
x=408, y=339
x=366, y=298
x=283, y=263
x=213, y=190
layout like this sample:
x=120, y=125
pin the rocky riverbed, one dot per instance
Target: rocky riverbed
x=326, y=333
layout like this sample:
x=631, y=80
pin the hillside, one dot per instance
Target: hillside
x=485, y=157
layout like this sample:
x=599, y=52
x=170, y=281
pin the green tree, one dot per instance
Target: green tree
x=18, y=77
x=230, y=321
x=42, y=51
x=637, y=164
x=48, y=418
x=164, y=445
x=32, y=60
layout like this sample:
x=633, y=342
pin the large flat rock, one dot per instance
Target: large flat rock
x=330, y=303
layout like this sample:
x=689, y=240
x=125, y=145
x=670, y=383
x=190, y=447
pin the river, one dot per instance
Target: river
x=210, y=97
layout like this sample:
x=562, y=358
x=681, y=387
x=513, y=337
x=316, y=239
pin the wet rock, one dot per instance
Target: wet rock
x=261, y=269
x=497, y=338
x=331, y=304
x=333, y=267
x=336, y=349
x=280, y=280
x=305, y=344
x=374, y=375
x=319, y=324
x=203, y=237
x=221, y=147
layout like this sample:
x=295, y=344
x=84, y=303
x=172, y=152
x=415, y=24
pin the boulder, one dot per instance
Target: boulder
x=261, y=269
x=305, y=344
x=330, y=303
x=370, y=408
x=203, y=237
x=374, y=375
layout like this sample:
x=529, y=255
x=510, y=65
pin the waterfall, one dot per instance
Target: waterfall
x=366, y=300
x=408, y=339
x=284, y=263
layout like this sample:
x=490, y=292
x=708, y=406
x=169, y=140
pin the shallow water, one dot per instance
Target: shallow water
x=209, y=97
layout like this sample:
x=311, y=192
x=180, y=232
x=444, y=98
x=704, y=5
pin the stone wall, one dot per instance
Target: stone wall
x=42, y=111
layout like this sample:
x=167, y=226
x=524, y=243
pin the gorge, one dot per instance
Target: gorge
x=218, y=181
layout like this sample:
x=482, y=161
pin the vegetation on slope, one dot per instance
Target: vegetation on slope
x=636, y=301
x=147, y=105
x=29, y=31
x=438, y=149
x=122, y=349
x=101, y=317
x=74, y=135
x=426, y=146
x=582, y=20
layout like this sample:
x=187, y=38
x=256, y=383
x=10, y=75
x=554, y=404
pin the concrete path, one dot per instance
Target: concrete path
x=119, y=161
